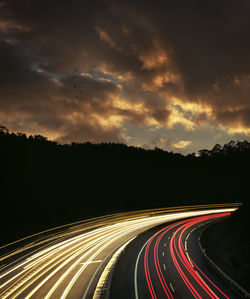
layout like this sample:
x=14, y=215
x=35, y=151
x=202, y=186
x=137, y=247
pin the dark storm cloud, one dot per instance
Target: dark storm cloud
x=207, y=44
x=20, y=85
x=92, y=133
x=197, y=51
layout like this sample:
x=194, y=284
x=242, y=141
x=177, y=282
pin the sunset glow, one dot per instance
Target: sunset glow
x=113, y=73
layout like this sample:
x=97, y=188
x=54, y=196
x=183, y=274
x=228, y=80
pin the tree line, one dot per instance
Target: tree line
x=44, y=183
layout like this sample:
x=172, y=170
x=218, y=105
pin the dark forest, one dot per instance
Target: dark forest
x=45, y=184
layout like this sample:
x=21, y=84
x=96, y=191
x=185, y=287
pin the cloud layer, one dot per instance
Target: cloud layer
x=76, y=72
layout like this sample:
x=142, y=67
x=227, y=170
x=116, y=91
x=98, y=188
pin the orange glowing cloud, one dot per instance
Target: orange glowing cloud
x=9, y=24
x=182, y=144
x=107, y=38
x=155, y=59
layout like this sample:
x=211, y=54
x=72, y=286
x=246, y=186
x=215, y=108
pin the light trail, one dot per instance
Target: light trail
x=111, y=237
x=198, y=284
x=73, y=250
x=50, y=266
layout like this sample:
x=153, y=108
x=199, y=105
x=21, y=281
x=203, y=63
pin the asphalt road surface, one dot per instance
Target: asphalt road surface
x=76, y=261
x=168, y=263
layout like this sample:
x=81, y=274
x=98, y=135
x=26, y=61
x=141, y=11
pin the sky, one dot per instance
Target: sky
x=168, y=74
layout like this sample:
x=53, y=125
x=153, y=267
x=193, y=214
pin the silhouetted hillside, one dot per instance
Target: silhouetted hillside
x=45, y=184
x=231, y=252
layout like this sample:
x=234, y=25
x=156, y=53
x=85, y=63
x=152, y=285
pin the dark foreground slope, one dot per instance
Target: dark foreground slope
x=227, y=243
x=44, y=184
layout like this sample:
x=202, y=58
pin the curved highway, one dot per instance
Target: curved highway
x=170, y=264
x=75, y=261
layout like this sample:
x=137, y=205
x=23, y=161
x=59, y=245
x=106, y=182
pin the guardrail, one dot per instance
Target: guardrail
x=242, y=292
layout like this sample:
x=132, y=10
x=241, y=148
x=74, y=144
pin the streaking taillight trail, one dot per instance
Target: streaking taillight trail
x=196, y=281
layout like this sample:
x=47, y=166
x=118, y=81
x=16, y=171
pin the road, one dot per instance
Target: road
x=75, y=261
x=168, y=263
